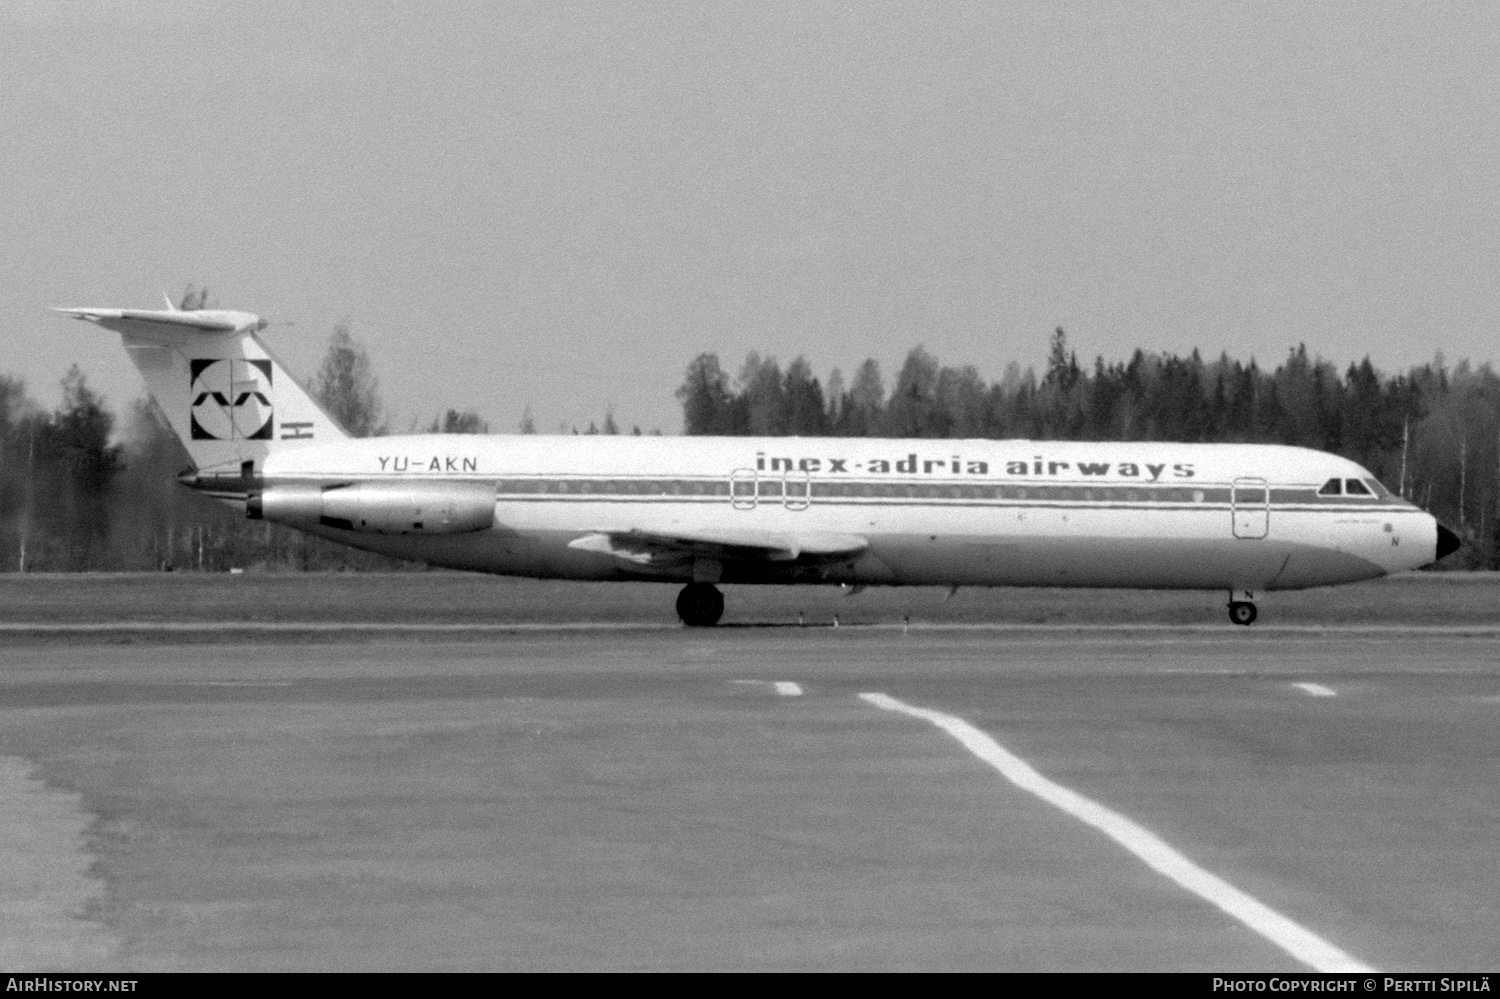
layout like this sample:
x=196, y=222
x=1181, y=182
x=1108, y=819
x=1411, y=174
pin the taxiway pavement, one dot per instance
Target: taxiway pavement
x=659, y=798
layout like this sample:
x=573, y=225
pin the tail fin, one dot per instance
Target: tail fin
x=226, y=396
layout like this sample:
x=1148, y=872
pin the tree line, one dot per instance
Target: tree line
x=1429, y=433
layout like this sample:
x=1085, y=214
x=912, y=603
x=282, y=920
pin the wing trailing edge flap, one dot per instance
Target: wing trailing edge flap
x=650, y=547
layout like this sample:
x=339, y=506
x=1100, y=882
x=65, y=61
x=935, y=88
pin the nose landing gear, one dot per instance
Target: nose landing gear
x=1242, y=607
x=700, y=605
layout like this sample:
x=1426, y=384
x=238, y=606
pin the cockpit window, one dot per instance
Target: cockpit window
x=1331, y=488
x=1354, y=487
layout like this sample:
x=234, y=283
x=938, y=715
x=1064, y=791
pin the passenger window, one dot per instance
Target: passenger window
x=1354, y=487
x=1331, y=488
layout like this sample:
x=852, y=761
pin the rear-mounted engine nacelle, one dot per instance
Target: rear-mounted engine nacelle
x=380, y=507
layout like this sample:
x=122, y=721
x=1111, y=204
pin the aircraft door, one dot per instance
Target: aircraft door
x=742, y=488
x=796, y=490
x=1250, y=508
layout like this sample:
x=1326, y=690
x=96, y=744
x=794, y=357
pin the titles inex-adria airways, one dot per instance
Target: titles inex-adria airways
x=959, y=465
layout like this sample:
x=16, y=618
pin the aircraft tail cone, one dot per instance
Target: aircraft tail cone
x=1447, y=542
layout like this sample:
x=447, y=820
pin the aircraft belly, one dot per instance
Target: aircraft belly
x=1157, y=549
x=1149, y=563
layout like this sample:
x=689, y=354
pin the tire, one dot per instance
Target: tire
x=1242, y=612
x=700, y=605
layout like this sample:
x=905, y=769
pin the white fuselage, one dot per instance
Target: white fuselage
x=952, y=512
x=704, y=510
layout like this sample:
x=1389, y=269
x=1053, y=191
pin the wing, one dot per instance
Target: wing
x=742, y=545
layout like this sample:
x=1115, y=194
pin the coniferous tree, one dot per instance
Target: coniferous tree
x=762, y=398
x=861, y=408
x=912, y=409
x=75, y=446
x=708, y=407
x=806, y=411
x=960, y=403
x=454, y=422
x=347, y=387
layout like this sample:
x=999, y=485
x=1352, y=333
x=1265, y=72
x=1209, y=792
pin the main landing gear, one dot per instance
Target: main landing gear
x=700, y=605
x=1241, y=607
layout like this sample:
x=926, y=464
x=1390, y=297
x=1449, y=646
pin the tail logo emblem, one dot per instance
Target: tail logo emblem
x=231, y=399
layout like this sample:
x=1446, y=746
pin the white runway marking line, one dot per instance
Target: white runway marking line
x=1291, y=937
x=786, y=688
x=1315, y=689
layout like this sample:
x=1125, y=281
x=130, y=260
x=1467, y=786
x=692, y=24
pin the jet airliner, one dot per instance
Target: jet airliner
x=702, y=511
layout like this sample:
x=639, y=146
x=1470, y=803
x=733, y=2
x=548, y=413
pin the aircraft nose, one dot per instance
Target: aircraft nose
x=1447, y=542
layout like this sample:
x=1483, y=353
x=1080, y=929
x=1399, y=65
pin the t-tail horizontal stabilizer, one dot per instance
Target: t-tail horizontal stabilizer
x=145, y=321
x=228, y=399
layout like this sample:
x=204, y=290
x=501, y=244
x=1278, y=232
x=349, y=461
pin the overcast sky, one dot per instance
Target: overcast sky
x=561, y=204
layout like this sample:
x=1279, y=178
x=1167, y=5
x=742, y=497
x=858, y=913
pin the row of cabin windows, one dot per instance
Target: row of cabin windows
x=896, y=490
x=773, y=488
x=750, y=489
x=614, y=487
x=1350, y=487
